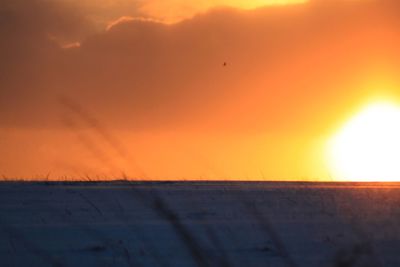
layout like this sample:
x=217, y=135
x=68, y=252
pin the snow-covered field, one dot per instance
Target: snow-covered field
x=199, y=224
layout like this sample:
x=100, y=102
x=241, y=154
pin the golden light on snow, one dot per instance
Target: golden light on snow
x=367, y=148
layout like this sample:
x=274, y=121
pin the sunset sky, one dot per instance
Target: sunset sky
x=139, y=87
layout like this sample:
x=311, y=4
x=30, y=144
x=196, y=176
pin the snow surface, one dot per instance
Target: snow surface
x=199, y=224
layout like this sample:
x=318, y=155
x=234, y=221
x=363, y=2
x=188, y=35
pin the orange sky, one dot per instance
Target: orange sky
x=153, y=100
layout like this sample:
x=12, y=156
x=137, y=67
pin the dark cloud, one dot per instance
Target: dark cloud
x=284, y=65
x=31, y=33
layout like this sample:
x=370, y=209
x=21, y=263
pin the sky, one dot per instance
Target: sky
x=176, y=89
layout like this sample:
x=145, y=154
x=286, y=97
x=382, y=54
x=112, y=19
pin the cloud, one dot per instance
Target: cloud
x=176, y=10
x=103, y=11
x=284, y=64
x=124, y=19
x=31, y=33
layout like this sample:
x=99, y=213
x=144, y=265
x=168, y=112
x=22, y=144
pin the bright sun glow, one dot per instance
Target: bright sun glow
x=368, y=146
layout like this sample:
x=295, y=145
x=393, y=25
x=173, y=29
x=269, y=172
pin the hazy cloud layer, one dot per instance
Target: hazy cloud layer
x=176, y=10
x=141, y=74
x=31, y=34
x=102, y=11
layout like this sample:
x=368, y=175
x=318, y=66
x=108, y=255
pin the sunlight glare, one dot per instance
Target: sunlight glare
x=368, y=146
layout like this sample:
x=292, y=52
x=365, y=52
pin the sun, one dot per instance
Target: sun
x=367, y=148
